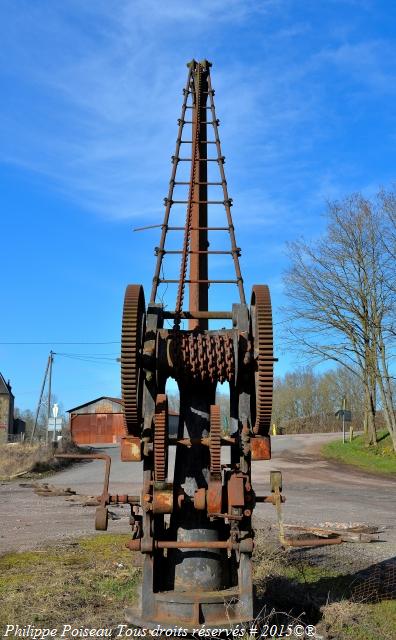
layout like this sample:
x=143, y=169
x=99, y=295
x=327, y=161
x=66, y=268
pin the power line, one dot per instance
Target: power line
x=98, y=356
x=87, y=358
x=52, y=343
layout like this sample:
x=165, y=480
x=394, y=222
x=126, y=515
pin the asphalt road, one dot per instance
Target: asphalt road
x=317, y=491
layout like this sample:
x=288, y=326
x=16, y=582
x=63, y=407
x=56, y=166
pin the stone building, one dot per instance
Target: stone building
x=6, y=410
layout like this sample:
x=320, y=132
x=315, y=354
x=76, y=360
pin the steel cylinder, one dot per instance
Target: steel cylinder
x=198, y=569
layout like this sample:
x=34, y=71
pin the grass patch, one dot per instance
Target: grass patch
x=351, y=621
x=87, y=582
x=377, y=459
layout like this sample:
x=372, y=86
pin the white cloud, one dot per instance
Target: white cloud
x=103, y=123
x=368, y=62
x=105, y=93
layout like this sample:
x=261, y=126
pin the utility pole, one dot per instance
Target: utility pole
x=51, y=359
x=40, y=397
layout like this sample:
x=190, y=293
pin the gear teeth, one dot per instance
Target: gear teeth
x=131, y=344
x=264, y=375
x=215, y=439
x=160, y=438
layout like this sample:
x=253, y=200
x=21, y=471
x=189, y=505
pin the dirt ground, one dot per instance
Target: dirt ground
x=317, y=492
x=311, y=584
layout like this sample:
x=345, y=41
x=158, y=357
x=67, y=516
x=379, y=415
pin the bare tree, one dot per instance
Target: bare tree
x=385, y=324
x=340, y=383
x=341, y=299
x=308, y=400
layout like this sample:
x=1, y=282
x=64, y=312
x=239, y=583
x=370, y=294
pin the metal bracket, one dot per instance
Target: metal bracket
x=101, y=517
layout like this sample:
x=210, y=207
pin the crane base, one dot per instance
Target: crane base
x=190, y=611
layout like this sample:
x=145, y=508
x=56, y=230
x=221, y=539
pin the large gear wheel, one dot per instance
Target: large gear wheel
x=215, y=440
x=161, y=438
x=262, y=333
x=133, y=325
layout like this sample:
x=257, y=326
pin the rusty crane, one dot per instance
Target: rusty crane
x=195, y=529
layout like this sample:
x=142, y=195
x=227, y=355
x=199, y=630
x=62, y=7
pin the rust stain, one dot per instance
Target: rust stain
x=260, y=447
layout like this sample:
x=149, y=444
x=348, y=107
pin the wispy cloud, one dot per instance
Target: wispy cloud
x=100, y=123
x=369, y=62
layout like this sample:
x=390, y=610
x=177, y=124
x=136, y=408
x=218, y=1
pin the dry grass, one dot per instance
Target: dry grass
x=19, y=458
x=268, y=556
x=338, y=616
x=16, y=458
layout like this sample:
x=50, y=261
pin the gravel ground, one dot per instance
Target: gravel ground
x=317, y=491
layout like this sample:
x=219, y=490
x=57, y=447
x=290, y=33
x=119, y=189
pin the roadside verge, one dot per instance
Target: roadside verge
x=379, y=459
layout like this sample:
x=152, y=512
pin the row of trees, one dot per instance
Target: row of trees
x=307, y=401
x=342, y=299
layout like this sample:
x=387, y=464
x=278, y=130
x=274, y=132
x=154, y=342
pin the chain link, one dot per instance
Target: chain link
x=187, y=231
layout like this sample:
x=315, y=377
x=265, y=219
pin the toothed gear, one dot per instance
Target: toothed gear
x=262, y=332
x=133, y=324
x=161, y=438
x=215, y=440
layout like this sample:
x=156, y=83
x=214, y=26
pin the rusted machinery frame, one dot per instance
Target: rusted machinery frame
x=195, y=243
x=198, y=281
x=227, y=201
x=181, y=123
x=135, y=545
x=197, y=315
x=206, y=511
x=311, y=542
x=196, y=214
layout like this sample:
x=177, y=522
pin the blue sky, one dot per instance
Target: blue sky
x=91, y=92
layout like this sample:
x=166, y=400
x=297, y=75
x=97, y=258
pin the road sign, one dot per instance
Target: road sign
x=344, y=414
x=51, y=424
